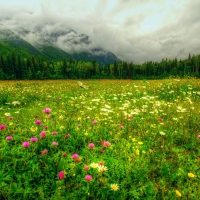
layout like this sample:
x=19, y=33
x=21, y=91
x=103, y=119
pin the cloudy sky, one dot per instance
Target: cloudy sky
x=134, y=30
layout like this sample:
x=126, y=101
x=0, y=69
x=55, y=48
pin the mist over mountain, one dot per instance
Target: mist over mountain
x=10, y=41
x=58, y=42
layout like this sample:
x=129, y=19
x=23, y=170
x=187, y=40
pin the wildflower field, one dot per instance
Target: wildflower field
x=115, y=139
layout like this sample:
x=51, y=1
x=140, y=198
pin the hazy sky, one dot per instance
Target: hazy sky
x=134, y=30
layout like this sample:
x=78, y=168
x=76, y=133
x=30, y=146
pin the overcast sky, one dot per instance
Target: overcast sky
x=134, y=30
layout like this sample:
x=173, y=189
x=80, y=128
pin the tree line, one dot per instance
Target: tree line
x=15, y=67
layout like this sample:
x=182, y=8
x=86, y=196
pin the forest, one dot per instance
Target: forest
x=14, y=66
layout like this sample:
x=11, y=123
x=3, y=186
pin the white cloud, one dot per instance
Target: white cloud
x=137, y=31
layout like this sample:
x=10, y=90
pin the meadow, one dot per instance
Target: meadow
x=118, y=139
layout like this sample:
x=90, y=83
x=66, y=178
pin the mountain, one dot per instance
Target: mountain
x=63, y=41
x=10, y=41
x=56, y=44
x=98, y=54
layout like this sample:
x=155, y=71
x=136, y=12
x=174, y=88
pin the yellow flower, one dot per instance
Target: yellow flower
x=11, y=123
x=140, y=143
x=178, y=193
x=191, y=175
x=94, y=165
x=114, y=187
x=33, y=129
x=137, y=152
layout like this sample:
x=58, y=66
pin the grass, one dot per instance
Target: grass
x=135, y=139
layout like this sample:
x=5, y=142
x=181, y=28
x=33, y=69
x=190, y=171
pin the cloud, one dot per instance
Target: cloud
x=137, y=31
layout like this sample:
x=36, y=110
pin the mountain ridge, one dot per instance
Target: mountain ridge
x=56, y=44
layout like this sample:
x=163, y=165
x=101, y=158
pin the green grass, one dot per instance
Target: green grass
x=152, y=126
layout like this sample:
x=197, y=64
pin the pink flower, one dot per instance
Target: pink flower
x=34, y=139
x=121, y=127
x=55, y=143
x=79, y=125
x=91, y=146
x=10, y=118
x=86, y=168
x=94, y=122
x=64, y=154
x=160, y=119
x=88, y=178
x=198, y=136
x=26, y=144
x=61, y=175
x=9, y=138
x=43, y=134
x=47, y=110
x=46, y=127
x=74, y=156
x=54, y=133
x=2, y=127
x=49, y=116
x=44, y=152
x=130, y=119
x=38, y=122
x=105, y=144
